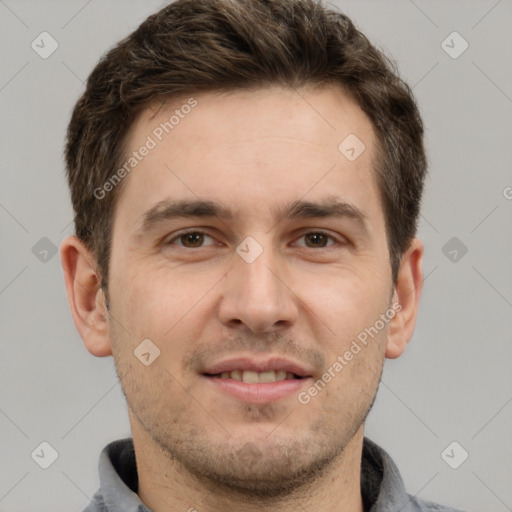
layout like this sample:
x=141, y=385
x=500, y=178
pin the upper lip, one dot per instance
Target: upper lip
x=258, y=365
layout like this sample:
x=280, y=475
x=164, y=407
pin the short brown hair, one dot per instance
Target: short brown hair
x=193, y=46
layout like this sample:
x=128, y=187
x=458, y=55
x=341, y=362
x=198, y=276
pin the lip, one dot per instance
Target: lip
x=258, y=365
x=260, y=393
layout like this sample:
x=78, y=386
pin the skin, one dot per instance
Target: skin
x=304, y=298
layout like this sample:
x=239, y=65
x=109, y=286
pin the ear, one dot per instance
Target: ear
x=406, y=299
x=85, y=296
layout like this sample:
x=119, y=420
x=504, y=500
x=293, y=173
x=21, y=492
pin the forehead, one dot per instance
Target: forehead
x=251, y=149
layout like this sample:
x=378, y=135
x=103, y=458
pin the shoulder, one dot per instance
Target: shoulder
x=418, y=505
x=383, y=487
x=97, y=503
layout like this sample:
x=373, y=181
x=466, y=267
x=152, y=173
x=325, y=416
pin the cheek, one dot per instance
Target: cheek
x=345, y=302
x=167, y=305
x=353, y=372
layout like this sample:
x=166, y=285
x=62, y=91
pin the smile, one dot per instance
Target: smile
x=257, y=377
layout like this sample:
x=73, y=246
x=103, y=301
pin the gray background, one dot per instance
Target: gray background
x=454, y=382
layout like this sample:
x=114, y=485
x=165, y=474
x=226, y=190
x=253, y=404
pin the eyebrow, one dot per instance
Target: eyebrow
x=168, y=210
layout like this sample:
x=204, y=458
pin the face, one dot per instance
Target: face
x=247, y=246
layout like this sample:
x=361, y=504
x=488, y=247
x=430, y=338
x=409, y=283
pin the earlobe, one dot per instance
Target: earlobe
x=85, y=296
x=406, y=299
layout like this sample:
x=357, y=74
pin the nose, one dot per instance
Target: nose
x=257, y=296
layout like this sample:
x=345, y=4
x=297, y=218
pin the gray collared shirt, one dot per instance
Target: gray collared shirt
x=382, y=487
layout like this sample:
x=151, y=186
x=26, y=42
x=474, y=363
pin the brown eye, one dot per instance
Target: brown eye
x=190, y=240
x=317, y=239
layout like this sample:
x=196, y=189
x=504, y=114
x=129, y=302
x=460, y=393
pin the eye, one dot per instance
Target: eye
x=190, y=239
x=195, y=239
x=317, y=239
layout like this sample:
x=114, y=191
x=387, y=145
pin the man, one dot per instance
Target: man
x=246, y=178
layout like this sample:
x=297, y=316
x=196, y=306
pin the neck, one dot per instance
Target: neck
x=164, y=484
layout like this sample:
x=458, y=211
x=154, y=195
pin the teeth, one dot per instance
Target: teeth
x=252, y=377
x=257, y=377
x=281, y=375
x=267, y=376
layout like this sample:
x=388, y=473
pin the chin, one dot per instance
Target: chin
x=260, y=469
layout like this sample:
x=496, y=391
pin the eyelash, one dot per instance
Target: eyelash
x=197, y=231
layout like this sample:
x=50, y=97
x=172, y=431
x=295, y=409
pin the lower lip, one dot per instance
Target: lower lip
x=260, y=393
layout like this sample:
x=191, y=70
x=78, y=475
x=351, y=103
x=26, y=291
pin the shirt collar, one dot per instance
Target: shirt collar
x=118, y=479
x=382, y=486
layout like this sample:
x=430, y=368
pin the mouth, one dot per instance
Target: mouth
x=256, y=377
x=257, y=382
